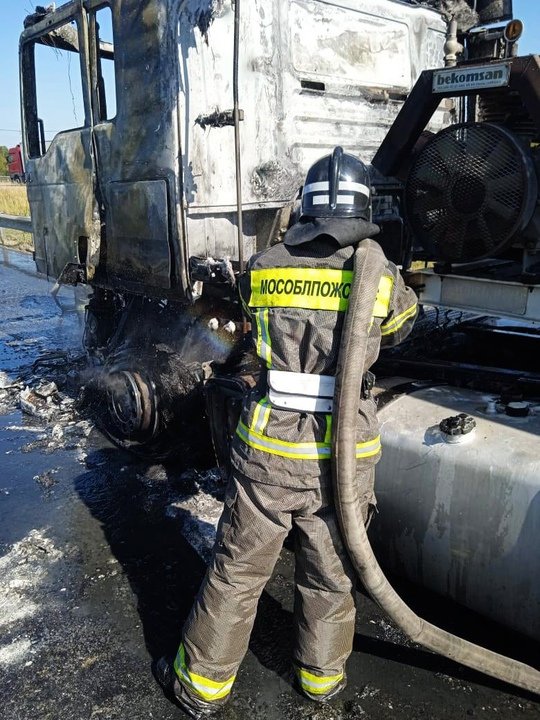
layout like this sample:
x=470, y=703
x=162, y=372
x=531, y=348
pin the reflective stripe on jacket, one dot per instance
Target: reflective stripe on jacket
x=296, y=297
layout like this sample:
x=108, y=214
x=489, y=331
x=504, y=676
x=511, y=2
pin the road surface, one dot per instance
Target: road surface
x=101, y=555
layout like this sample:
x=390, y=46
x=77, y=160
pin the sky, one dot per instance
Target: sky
x=58, y=76
x=59, y=98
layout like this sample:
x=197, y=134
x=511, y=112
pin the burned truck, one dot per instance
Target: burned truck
x=147, y=201
x=198, y=122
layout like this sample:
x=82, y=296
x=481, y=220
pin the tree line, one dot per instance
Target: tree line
x=3, y=160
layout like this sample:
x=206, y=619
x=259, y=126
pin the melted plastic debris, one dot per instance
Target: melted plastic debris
x=32, y=404
x=41, y=396
x=9, y=390
x=4, y=400
x=46, y=389
x=54, y=414
x=82, y=428
x=5, y=381
x=47, y=479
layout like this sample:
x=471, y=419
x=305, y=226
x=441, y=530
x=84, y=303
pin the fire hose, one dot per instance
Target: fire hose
x=352, y=355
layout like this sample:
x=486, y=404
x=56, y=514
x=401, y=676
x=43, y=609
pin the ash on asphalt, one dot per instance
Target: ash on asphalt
x=101, y=556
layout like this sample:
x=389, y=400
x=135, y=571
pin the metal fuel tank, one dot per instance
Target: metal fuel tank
x=459, y=512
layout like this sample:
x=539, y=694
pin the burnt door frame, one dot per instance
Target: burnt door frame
x=61, y=177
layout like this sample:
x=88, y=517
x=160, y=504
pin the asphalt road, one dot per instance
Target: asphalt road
x=101, y=555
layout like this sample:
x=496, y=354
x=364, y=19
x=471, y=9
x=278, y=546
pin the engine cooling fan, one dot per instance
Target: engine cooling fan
x=471, y=189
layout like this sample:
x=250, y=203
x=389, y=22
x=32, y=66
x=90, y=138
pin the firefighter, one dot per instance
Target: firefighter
x=296, y=294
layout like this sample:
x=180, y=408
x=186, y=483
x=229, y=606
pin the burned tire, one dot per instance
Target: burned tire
x=146, y=393
x=152, y=405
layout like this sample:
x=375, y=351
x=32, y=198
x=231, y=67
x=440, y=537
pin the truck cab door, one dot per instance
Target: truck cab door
x=57, y=136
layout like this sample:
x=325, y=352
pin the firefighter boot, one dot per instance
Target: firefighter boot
x=319, y=697
x=167, y=678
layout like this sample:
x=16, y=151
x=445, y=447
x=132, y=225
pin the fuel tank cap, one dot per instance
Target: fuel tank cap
x=517, y=409
x=457, y=427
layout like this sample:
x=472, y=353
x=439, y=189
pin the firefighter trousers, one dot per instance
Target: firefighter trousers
x=255, y=522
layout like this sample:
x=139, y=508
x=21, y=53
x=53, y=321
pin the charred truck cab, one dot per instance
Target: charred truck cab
x=143, y=204
x=155, y=205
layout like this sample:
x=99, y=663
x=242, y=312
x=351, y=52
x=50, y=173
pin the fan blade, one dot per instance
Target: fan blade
x=497, y=160
x=485, y=235
x=500, y=209
x=454, y=238
x=449, y=150
x=502, y=184
x=428, y=202
x=429, y=178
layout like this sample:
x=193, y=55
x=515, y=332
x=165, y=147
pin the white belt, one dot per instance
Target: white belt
x=301, y=391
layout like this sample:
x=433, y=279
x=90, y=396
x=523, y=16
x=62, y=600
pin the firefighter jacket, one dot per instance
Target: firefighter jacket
x=296, y=298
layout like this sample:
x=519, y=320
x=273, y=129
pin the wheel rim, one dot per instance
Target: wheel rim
x=132, y=404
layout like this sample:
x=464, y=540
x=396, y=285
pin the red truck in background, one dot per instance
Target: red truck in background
x=15, y=164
